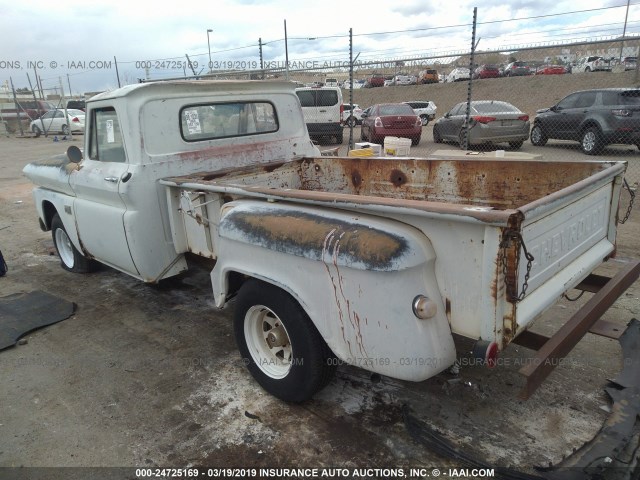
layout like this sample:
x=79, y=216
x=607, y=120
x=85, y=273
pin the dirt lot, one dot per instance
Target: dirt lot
x=144, y=375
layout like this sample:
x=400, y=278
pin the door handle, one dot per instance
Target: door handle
x=112, y=179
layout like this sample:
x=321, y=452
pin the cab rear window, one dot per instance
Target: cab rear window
x=223, y=120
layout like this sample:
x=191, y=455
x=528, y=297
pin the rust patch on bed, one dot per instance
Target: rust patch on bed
x=398, y=177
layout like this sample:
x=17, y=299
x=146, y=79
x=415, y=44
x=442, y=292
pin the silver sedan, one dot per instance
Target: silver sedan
x=490, y=121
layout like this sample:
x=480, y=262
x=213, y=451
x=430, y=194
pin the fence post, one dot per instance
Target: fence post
x=465, y=128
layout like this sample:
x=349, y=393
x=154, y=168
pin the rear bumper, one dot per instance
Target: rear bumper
x=401, y=132
x=324, y=129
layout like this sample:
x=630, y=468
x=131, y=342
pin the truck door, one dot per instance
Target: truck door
x=99, y=185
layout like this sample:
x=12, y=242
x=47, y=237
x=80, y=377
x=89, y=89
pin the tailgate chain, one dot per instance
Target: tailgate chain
x=507, y=237
x=633, y=197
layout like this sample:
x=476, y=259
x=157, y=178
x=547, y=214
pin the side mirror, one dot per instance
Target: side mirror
x=447, y=115
x=74, y=154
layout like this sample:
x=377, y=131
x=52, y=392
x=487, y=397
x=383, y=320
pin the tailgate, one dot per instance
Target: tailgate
x=568, y=234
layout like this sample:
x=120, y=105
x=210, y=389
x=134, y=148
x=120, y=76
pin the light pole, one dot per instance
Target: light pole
x=209, y=45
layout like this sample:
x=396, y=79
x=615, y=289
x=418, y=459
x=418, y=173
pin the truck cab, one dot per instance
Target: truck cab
x=110, y=203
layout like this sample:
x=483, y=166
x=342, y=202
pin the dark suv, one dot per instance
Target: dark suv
x=595, y=118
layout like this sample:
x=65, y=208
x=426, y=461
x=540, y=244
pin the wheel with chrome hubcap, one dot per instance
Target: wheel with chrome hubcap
x=279, y=343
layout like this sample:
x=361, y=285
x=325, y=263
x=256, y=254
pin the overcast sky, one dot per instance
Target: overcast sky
x=82, y=38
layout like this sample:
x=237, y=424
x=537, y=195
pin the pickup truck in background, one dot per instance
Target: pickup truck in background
x=375, y=262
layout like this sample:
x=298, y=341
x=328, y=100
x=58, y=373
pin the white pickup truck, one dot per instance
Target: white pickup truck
x=375, y=262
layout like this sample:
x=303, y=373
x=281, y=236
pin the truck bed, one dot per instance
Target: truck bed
x=564, y=212
x=487, y=190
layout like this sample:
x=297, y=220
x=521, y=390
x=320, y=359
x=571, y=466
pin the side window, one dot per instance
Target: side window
x=221, y=120
x=585, y=100
x=105, y=142
x=59, y=114
x=568, y=102
x=457, y=110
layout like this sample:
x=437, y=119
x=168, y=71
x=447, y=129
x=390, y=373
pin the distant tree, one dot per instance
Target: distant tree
x=23, y=90
x=512, y=59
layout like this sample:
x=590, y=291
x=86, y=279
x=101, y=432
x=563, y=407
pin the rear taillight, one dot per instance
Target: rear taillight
x=623, y=112
x=524, y=118
x=377, y=122
x=483, y=119
x=75, y=119
x=341, y=112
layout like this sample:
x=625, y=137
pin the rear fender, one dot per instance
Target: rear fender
x=356, y=276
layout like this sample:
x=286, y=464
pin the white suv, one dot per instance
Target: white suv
x=425, y=109
x=353, y=115
x=592, y=64
x=323, y=111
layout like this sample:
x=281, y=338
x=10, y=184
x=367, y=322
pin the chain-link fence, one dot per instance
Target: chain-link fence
x=475, y=91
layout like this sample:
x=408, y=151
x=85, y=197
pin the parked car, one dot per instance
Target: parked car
x=352, y=114
x=595, y=118
x=491, y=121
x=389, y=82
x=515, y=69
x=375, y=80
x=430, y=75
x=404, y=80
x=425, y=109
x=486, y=71
x=30, y=109
x=54, y=121
x=76, y=104
x=593, y=63
x=458, y=74
x=390, y=120
x=551, y=70
x=629, y=63
x=346, y=85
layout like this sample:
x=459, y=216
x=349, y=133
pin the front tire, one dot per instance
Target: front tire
x=591, y=142
x=425, y=120
x=70, y=258
x=36, y=130
x=538, y=137
x=351, y=122
x=437, y=138
x=280, y=344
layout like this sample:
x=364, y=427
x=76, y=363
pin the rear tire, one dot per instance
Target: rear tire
x=516, y=145
x=591, y=142
x=351, y=122
x=339, y=139
x=65, y=130
x=36, y=130
x=425, y=120
x=461, y=137
x=415, y=141
x=279, y=343
x=70, y=258
x=538, y=137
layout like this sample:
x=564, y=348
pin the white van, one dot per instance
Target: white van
x=323, y=111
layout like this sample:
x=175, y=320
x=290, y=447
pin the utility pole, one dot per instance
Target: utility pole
x=64, y=103
x=15, y=100
x=286, y=49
